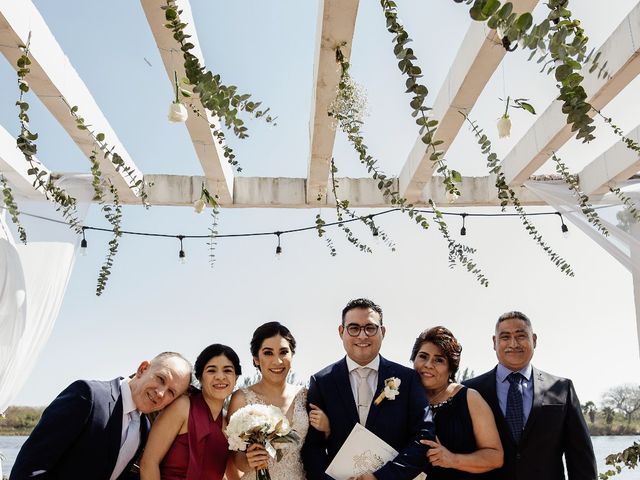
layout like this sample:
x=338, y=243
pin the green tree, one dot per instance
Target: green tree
x=625, y=398
x=590, y=409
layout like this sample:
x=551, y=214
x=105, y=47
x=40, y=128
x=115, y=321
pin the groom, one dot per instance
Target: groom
x=345, y=392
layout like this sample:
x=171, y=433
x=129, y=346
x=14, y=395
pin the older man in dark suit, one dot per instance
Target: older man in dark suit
x=94, y=429
x=538, y=415
x=345, y=391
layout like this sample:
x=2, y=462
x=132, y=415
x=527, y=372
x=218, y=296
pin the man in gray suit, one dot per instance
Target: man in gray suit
x=538, y=415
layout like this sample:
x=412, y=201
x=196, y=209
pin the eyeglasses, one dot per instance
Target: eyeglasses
x=353, y=329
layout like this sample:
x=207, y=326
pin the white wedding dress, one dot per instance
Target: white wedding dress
x=290, y=465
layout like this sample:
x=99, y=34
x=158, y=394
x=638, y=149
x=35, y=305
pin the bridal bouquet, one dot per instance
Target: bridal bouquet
x=262, y=424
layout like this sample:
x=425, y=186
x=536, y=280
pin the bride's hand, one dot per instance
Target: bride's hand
x=257, y=456
x=319, y=420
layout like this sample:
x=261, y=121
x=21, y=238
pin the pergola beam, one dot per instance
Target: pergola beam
x=14, y=167
x=218, y=172
x=54, y=80
x=336, y=24
x=617, y=163
x=551, y=131
x=477, y=59
x=281, y=192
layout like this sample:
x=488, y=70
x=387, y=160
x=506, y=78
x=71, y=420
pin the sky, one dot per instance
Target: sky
x=585, y=325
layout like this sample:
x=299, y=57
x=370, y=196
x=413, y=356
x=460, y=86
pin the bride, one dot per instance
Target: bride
x=272, y=348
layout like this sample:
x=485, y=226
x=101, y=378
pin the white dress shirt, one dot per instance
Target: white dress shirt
x=354, y=378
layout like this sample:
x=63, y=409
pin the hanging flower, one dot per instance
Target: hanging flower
x=452, y=197
x=199, y=205
x=177, y=113
x=504, y=126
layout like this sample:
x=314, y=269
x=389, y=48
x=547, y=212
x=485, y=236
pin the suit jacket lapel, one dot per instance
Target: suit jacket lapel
x=114, y=426
x=343, y=386
x=539, y=388
x=383, y=372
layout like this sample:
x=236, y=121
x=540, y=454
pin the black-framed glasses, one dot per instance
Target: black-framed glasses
x=370, y=329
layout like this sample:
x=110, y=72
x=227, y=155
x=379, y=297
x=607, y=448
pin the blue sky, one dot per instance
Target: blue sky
x=153, y=303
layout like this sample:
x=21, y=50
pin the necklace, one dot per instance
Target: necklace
x=436, y=399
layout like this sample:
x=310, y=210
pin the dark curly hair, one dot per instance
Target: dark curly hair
x=443, y=339
x=268, y=330
x=361, y=303
x=215, y=350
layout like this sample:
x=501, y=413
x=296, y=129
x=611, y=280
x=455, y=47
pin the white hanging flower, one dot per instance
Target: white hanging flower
x=177, y=113
x=199, y=205
x=452, y=197
x=504, y=126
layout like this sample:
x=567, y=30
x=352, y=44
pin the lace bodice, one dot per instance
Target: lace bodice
x=290, y=466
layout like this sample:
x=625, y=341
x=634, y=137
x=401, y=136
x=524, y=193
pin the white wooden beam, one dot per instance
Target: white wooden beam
x=14, y=167
x=280, y=192
x=617, y=163
x=336, y=24
x=53, y=78
x=218, y=172
x=550, y=132
x=477, y=59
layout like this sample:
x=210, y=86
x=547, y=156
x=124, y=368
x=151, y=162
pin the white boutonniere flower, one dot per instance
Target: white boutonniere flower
x=391, y=390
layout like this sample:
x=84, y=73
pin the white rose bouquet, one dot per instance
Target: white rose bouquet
x=262, y=424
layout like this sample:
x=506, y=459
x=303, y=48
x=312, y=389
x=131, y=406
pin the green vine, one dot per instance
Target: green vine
x=320, y=224
x=221, y=100
x=630, y=206
x=561, y=46
x=210, y=200
x=12, y=207
x=64, y=202
x=113, y=214
x=629, y=457
x=506, y=195
x=583, y=200
x=419, y=91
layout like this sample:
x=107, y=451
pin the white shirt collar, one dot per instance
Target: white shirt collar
x=127, y=400
x=373, y=364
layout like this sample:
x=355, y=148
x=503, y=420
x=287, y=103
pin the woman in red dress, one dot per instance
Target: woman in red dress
x=187, y=439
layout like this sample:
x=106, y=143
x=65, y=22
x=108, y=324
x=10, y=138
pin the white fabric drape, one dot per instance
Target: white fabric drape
x=623, y=242
x=33, y=280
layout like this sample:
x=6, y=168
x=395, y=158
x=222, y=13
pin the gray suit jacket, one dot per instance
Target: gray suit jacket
x=555, y=427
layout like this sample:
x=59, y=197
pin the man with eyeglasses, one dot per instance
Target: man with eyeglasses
x=346, y=391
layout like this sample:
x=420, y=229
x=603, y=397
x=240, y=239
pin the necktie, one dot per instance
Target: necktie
x=515, y=415
x=129, y=445
x=365, y=395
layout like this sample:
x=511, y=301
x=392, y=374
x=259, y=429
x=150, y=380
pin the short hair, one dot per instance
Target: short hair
x=215, y=350
x=268, y=330
x=361, y=303
x=443, y=339
x=514, y=315
x=161, y=357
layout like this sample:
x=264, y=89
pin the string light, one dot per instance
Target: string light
x=463, y=230
x=83, y=244
x=279, y=247
x=563, y=227
x=182, y=257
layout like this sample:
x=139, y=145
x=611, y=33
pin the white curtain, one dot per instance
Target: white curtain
x=33, y=281
x=623, y=242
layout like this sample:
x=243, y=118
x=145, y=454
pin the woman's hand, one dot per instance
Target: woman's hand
x=319, y=420
x=257, y=456
x=438, y=455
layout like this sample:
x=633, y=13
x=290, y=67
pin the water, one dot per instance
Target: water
x=602, y=446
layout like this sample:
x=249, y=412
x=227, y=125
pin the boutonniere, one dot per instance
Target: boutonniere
x=390, y=391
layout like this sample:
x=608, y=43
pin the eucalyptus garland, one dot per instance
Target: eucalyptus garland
x=320, y=224
x=211, y=201
x=12, y=207
x=506, y=195
x=560, y=45
x=221, y=100
x=630, y=205
x=65, y=203
x=583, y=200
x=629, y=458
x=113, y=214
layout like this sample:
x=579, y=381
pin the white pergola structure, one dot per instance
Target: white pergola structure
x=52, y=77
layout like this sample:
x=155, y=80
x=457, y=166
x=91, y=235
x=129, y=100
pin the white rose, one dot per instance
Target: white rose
x=177, y=113
x=504, y=126
x=451, y=197
x=390, y=393
x=199, y=205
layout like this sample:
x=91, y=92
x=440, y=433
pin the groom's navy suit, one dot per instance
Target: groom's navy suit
x=555, y=427
x=400, y=422
x=78, y=436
